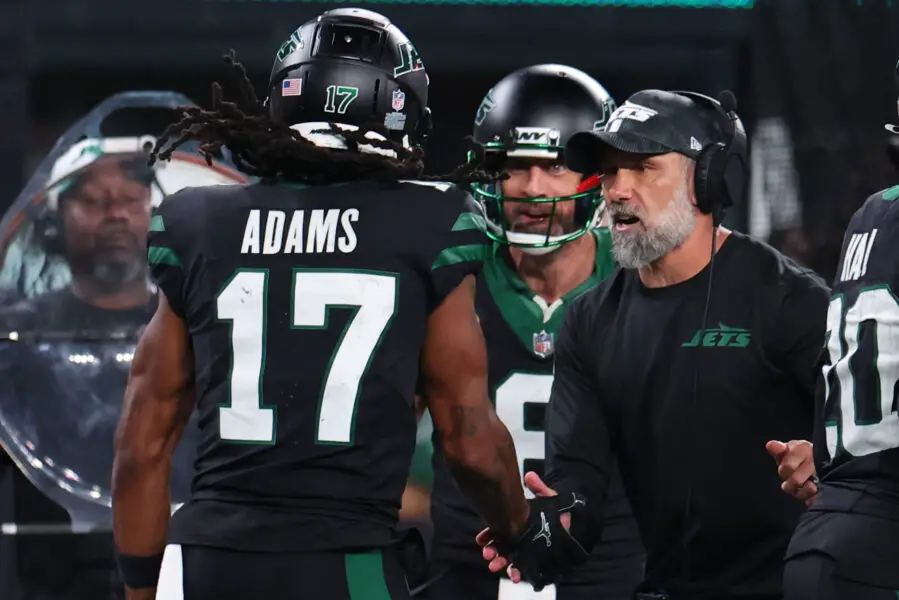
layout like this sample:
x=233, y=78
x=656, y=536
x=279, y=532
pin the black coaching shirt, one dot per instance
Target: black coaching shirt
x=688, y=412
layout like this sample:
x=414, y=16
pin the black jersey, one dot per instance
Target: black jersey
x=689, y=410
x=857, y=436
x=520, y=331
x=307, y=310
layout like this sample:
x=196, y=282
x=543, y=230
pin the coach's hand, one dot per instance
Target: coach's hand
x=796, y=467
x=496, y=561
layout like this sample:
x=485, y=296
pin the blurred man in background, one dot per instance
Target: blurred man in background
x=548, y=249
x=64, y=373
x=96, y=217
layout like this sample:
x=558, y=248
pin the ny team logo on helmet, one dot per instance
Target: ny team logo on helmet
x=353, y=67
x=530, y=114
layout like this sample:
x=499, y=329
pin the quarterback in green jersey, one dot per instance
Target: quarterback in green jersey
x=549, y=246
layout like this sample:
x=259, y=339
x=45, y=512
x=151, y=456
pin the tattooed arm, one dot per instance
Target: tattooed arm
x=477, y=446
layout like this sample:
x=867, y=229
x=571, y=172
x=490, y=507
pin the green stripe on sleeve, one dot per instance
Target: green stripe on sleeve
x=158, y=255
x=460, y=254
x=469, y=220
x=157, y=224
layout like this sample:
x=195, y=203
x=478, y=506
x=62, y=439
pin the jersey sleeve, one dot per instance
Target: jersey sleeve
x=461, y=246
x=167, y=249
x=801, y=324
x=578, y=448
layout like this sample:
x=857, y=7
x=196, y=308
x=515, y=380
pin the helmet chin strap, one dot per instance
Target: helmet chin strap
x=533, y=238
x=538, y=251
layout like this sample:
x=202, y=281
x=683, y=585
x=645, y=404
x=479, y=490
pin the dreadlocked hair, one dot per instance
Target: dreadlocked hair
x=261, y=147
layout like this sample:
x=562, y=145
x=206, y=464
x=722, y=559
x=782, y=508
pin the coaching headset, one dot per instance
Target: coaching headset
x=721, y=168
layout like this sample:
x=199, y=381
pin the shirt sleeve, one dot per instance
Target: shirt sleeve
x=166, y=252
x=578, y=448
x=461, y=247
x=802, y=323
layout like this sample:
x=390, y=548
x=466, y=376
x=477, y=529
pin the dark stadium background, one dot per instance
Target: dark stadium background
x=819, y=73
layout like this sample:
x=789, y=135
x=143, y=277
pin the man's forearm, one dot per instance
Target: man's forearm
x=141, y=503
x=485, y=467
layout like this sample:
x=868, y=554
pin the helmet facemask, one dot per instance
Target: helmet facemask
x=534, y=145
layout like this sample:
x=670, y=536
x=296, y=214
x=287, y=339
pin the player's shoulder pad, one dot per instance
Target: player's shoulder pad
x=889, y=194
x=461, y=227
x=880, y=208
x=177, y=221
x=186, y=203
x=188, y=206
x=451, y=205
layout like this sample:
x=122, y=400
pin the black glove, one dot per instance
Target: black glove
x=545, y=550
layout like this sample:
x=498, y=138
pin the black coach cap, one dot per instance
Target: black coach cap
x=649, y=122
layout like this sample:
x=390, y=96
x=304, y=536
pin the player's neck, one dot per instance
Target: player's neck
x=553, y=275
x=685, y=261
x=131, y=295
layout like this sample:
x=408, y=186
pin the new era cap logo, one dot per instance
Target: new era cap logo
x=631, y=112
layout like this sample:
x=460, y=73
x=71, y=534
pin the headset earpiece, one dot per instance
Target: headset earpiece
x=704, y=181
x=50, y=232
x=721, y=172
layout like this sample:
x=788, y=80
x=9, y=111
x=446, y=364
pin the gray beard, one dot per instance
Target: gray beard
x=635, y=250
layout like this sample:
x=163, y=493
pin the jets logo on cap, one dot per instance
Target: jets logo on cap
x=630, y=112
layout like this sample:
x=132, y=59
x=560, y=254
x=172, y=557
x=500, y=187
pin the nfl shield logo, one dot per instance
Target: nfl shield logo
x=399, y=100
x=543, y=344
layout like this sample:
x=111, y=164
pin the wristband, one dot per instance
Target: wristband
x=139, y=571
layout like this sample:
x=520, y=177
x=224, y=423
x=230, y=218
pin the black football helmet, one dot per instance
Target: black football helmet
x=351, y=66
x=530, y=114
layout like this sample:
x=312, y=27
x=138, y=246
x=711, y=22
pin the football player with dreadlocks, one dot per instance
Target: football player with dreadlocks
x=547, y=250
x=297, y=314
